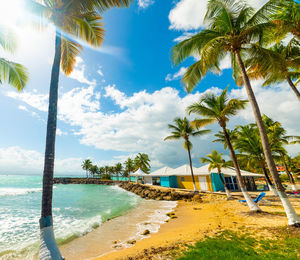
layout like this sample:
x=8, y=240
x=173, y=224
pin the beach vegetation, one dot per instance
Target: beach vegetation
x=142, y=161
x=86, y=165
x=182, y=129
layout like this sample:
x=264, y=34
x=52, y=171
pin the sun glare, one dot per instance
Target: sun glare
x=11, y=12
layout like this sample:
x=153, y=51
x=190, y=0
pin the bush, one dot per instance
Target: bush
x=105, y=177
x=284, y=177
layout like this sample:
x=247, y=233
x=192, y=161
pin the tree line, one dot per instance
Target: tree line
x=141, y=161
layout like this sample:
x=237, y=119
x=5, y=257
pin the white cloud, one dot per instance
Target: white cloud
x=177, y=75
x=184, y=36
x=79, y=73
x=15, y=160
x=23, y=108
x=141, y=123
x=143, y=4
x=100, y=72
x=189, y=14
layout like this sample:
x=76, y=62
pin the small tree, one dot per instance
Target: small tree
x=86, y=165
x=183, y=129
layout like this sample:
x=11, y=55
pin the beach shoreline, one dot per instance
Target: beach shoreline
x=121, y=232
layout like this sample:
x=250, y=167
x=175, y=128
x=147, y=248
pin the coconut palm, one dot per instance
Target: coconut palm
x=118, y=169
x=278, y=139
x=86, y=165
x=276, y=64
x=72, y=19
x=249, y=145
x=221, y=137
x=129, y=167
x=101, y=171
x=218, y=109
x=216, y=161
x=10, y=72
x=142, y=161
x=183, y=129
x=93, y=170
x=232, y=26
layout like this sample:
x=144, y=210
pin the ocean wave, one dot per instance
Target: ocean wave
x=18, y=191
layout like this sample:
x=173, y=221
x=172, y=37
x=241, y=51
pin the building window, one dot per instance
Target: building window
x=182, y=178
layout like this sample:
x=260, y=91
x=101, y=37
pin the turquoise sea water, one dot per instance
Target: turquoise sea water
x=77, y=209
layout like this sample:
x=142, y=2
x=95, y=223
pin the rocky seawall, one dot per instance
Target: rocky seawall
x=156, y=192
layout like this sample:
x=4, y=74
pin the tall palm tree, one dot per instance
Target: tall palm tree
x=276, y=64
x=233, y=26
x=249, y=145
x=72, y=19
x=142, y=161
x=86, y=165
x=10, y=72
x=101, y=171
x=216, y=161
x=183, y=129
x=129, y=167
x=218, y=109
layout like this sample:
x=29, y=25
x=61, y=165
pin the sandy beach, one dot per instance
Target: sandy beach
x=191, y=221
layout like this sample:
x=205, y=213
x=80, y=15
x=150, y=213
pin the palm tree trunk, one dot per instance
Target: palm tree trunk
x=48, y=246
x=293, y=218
x=225, y=187
x=291, y=178
x=270, y=184
x=191, y=166
x=251, y=204
x=293, y=87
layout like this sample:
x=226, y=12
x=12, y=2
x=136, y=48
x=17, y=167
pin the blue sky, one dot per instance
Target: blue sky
x=120, y=98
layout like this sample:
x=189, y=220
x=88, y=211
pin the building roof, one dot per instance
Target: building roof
x=165, y=171
x=229, y=171
x=139, y=172
x=186, y=170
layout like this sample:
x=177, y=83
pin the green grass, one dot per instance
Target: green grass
x=229, y=245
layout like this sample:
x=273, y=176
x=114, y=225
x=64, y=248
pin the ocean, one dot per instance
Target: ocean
x=77, y=210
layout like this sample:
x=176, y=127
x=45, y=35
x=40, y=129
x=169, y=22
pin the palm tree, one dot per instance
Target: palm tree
x=249, y=145
x=86, y=165
x=216, y=161
x=94, y=170
x=129, y=167
x=101, y=171
x=183, y=129
x=142, y=161
x=118, y=169
x=278, y=138
x=218, y=109
x=276, y=64
x=73, y=19
x=233, y=26
x=10, y=72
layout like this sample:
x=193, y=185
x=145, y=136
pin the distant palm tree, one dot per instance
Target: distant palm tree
x=129, y=167
x=72, y=20
x=276, y=64
x=218, y=109
x=10, y=72
x=142, y=161
x=86, y=165
x=233, y=26
x=94, y=170
x=216, y=161
x=183, y=129
x=101, y=171
x=118, y=169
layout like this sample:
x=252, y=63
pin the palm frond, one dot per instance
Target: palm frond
x=7, y=39
x=13, y=73
x=198, y=123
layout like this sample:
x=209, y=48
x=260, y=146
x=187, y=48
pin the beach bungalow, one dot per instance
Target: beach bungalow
x=142, y=177
x=164, y=177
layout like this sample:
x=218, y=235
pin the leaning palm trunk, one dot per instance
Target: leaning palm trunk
x=224, y=184
x=292, y=216
x=270, y=184
x=293, y=87
x=192, y=172
x=48, y=247
x=251, y=204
